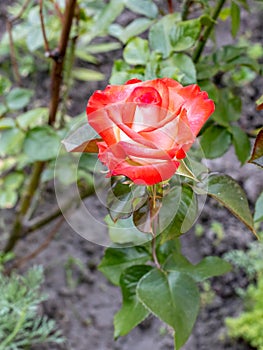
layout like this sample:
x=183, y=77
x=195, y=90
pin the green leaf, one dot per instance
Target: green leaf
x=123, y=199
x=87, y=74
x=136, y=52
x=3, y=109
x=107, y=16
x=178, y=212
x=18, y=98
x=174, y=298
x=11, y=141
x=210, y=88
x=258, y=215
x=241, y=143
x=257, y=153
x=125, y=232
x=116, y=260
x=228, y=108
x=184, y=34
x=152, y=66
x=164, y=250
x=5, y=84
x=32, y=118
x=206, y=268
x=228, y=192
x=159, y=34
x=34, y=39
x=179, y=67
x=143, y=7
x=41, y=143
x=235, y=18
x=184, y=170
x=13, y=181
x=170, y=34
x=215, y=141
x=132, y=311
x=104, y=47
x=7, y=123
x=83, y=55
x=135, y=28
x=8, y=198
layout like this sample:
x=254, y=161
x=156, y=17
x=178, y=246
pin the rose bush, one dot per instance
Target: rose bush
x=147, y=127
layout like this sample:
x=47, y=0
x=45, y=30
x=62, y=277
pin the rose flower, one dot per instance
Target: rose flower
x=147, y=127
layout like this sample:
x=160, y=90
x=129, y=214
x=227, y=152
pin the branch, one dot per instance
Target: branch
x=20, y=13
x=170, y=6
x=21, y=261
x=203, y=39
x=185, y=9
x=24, y=205
x=56, y=78
x=41, y=221
x=46, y=44
x=13, y=53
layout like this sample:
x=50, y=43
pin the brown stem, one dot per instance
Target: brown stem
x=43, y=28
x=185, y=9
x=58, y=11
x=53, y=214
x=20, y=262
x=56, y=76
x=203, y=39
x=13, y=53
x=155, y=224
x=24, y=205
x=9, y=27
x=23, y=8
x=170, y=6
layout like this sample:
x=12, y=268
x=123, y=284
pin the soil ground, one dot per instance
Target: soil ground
x=83, y=302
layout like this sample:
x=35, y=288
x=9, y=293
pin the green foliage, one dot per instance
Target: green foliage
x=249, y=261
x=20, y=324
x=248, y=325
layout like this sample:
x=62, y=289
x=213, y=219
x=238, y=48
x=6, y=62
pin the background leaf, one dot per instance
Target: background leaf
x=143, y=7
x=241, y=143
x=136, y=52
x=235, y=18
x=41, y=143
x=11, y=141
x=215, y=141
x=18, y=98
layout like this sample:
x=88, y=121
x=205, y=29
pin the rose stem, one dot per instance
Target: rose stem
x=203, y=38
x=154, y=228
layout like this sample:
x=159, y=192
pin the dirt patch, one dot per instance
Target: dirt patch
x=83, y=302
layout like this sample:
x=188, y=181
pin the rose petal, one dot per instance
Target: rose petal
x=124, y=149
x=199, y=107
x=141, y=175
x=175, y=132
